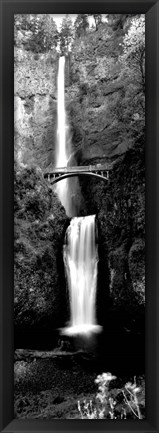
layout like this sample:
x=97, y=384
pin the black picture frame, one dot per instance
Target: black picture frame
x=8, y=9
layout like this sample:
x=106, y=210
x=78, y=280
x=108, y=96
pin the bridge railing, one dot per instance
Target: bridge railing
x=99, y=168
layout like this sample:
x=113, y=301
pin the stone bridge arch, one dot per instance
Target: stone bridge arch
x=52, y=180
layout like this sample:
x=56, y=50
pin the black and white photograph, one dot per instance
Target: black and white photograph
x=79, y=216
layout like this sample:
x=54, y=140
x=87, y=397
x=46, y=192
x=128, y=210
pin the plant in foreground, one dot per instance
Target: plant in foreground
x=130, y=396
x=105, y=405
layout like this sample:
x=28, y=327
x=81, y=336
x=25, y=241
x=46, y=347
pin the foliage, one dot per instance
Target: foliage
x=127, y=110
x=97, y=19
x=106, y=403
x=37, y=33
x=127, y=107
x=81, y=24
x=23, y=21
x=117, y=21
x=133, y=56
x=66, y=34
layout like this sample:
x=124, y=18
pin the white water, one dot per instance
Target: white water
x=80, y=250
x=68, y=190
x=61, y=153
x=81, y=258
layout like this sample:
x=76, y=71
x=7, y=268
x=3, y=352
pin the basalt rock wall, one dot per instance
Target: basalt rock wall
x=35, y=107
x=40, y=300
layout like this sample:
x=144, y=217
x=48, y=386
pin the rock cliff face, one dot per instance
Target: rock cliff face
x=120, y=208
x=35, y=107
x=40, y=223
x=94, y=72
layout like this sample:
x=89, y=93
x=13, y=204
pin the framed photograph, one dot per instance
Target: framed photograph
x=79, y=216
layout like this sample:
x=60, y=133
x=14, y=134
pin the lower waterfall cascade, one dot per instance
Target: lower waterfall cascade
x=80, y=255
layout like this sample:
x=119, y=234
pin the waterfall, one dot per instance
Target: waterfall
x=62, y=154
x=68, y=190
x=81, y=259
x=80, y=249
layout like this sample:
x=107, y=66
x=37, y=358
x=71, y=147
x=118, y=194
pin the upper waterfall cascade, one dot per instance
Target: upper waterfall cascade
x=68, y=191
x=61, y=152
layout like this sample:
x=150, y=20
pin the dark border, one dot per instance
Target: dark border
x=151, y=9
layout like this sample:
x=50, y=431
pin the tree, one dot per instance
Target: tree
x=117, y=21
x=44, y=33
x=49, y=32
x=81, y=24
x=133, y=57
x=97, y=19
x=127, y=105
x=38, y=32
x=120, y=21
x=66, y=34
x=23, y=21
x=22, y=24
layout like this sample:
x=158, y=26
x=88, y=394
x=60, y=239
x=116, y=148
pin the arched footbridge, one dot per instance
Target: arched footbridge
x=98, y=171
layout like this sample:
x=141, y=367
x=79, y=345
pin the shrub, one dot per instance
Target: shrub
x=106, y=404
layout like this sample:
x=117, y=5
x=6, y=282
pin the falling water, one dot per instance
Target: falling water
x=68, y=190
x=62, y=127
x=80, y=249
x=81, y=258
